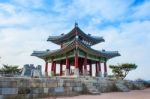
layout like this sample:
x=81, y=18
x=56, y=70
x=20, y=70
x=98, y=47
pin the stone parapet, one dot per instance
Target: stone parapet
x=35, y=87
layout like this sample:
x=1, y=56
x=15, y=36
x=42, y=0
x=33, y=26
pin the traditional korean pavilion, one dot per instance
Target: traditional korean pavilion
x=76, y=52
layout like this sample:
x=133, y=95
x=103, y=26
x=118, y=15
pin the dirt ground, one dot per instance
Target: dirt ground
x=135, y=94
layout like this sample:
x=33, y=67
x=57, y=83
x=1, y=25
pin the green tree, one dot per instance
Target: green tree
x=10, y=69
x=120, y=71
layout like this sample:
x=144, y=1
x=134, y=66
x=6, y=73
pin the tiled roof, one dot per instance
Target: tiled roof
x=59, y=39
x=72, y=45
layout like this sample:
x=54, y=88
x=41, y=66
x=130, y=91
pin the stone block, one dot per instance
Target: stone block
x=138, y=85
x=73, y=84
x=122, y=87
x=45, y=90
x=59, y=89
x=78, y=84
x=9, y=91
x=68, y=84
x=129, y=85
x=34, y=96
x=8, y=97
x=24, y=83
x=6, y=84
x=60, y=84
x=49, y=85
x=50, y=81
x=95, y=84
x=44, y=85
x=37, y=90
x=1, y=96
x=24, y=90
x=77, y=89
x=67, y=89
x=36, y=85
x=51, y=90
x=0, y=91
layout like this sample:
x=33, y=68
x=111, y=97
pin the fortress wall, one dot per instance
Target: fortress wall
x=31, y=88
x=17, y=88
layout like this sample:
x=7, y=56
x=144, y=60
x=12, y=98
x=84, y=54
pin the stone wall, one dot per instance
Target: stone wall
x=22, y=88
x=30, y=88
x=107, y=85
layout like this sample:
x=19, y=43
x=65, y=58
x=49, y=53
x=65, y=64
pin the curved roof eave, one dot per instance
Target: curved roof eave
x=59, y=39
x=107, y=54
x=111, y=54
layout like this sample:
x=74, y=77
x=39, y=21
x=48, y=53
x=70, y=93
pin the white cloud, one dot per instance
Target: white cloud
x=29, y=3
x=142, y=11
x=10, y=15
x=107, y=9
x=17, y=45
x=8, y=8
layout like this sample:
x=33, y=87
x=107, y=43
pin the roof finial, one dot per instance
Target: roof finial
x=76, y=24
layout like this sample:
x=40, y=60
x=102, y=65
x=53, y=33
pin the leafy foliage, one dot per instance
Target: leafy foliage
x=120, y=71
x=10, y=69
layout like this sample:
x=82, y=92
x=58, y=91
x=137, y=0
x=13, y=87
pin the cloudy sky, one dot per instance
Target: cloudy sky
x=125, y=25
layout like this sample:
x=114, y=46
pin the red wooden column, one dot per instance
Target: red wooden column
x=90, y=71
x=61, y=69
x=67, y=66
x=76, y=63
x=99, y=69
x=52, y=68
x=96, y=69
x=61, y=46
x=81, y=66
x=105, y=69
x=85, y=65
x=46, y=68
x=79, y=60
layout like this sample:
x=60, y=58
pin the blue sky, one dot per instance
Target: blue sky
x=125, y=25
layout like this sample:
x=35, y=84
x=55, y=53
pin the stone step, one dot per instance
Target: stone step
x=92, y=90
x=94, y=93
x=139, y=85
x=122, y=87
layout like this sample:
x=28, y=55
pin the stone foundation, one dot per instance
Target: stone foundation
x=35, y=87
x=24, y=88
